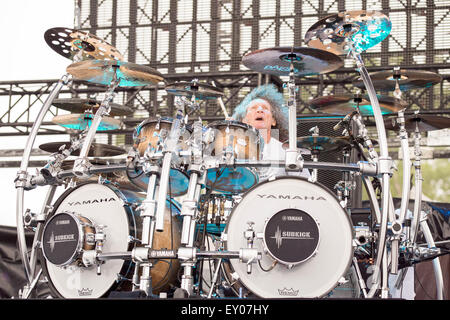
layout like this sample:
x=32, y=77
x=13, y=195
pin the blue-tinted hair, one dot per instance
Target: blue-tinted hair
x=275, y=98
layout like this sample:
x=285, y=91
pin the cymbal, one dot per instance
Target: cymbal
x=408, y=79
x=421, y=122
x=68, y=42
x=306, y=61
x=105, y=71
x=83, y=121
x=336, y=32
x=345, y=104
x=96, y=150
x=81, y=105
x=321, y=143
x=202, y=91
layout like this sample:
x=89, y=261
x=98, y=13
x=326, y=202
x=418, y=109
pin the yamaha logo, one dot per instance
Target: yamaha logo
x=86, y=202
x=289, y=197
x=292, y=218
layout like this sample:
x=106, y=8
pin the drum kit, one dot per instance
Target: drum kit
x=189, y=193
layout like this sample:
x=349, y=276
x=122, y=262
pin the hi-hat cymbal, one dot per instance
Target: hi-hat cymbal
x=105, y=71
x=345, y=104
x=306, y=61
x=321, y=143
x=421, y=122
x=202, y=91
x=96, y=150
x=68, y=42
x=335, y=33
x=408, y=79
x=83, y=121
x=76, y=105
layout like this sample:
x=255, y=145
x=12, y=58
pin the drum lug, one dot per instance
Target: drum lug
x=89, y=258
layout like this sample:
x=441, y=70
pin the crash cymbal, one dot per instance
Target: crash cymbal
x=345, y=104
x=83, y=121
x=422, y=122
x=105, y=71
x=321, y=143
x=334, y=33
x=202, y=91
x=306, y=61
x=68, y=42
x=96, y=150
x=408, y=79
x=76, y=105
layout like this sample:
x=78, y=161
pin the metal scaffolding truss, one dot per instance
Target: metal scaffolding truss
x=206, y=40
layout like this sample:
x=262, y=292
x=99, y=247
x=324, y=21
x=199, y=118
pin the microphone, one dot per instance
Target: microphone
x=345, y=120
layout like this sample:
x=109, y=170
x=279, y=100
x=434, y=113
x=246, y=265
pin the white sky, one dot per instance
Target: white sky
x=25, y=55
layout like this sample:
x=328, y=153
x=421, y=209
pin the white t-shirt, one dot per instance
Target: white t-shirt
x=274, y=151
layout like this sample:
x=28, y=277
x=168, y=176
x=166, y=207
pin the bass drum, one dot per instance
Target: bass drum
x=71, y=228
x=303, y=233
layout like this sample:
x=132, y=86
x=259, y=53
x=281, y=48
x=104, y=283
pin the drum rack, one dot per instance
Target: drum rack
x=158, y=159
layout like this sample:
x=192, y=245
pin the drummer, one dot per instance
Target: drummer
x=263, y=108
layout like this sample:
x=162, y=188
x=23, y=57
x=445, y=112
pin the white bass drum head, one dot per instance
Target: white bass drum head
x=303, y=228
x=102, y=205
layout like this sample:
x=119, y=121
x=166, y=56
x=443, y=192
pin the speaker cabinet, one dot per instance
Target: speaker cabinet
x=329, y=178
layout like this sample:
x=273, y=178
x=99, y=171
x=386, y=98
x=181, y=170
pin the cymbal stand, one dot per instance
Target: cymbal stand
x=418, y=186
x=169, y=150
x=294, y=160
x=346, y=185
x=397, y=227
x=384, y=164
x=82, y=164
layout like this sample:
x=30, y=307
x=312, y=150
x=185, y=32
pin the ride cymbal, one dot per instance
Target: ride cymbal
x=68, y=42
x=407, y=79
x=337, y=33
x=321, y=143
x=83, y=121
x=306, y=61
x=202, y=91
x=106, y=71
x=345, y=104
x=96, y=150
x=76, y=105
x=420, y=122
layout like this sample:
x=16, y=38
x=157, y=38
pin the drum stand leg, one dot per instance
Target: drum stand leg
x=188, y=211
x=361, y=282
x=215, y=277
x=148, y=228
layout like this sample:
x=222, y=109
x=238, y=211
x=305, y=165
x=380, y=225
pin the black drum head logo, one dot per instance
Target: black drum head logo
x=291, y=236
x=60, y=239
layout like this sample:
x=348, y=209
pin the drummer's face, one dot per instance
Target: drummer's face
x=259, y=115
